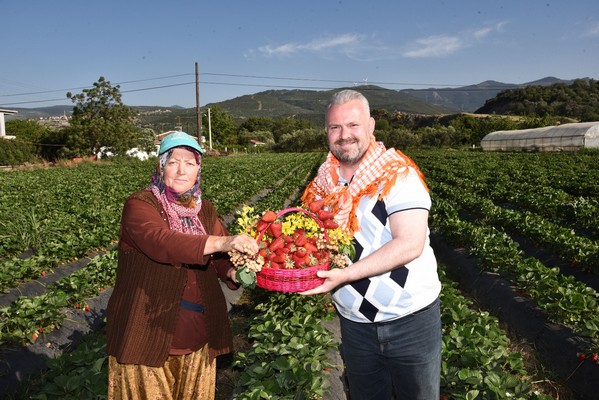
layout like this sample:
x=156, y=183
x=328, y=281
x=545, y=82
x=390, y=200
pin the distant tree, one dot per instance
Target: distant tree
x=27, y=130
x=101, y=122
x=253, y=124
x=288, y=125
x=579, y=101
x=261, y=136
x=310, y=139
x=223, y=127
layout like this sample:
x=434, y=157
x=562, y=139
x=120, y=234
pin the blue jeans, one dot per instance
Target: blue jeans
x=403, y=355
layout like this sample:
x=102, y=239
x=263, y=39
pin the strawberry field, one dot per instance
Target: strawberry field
x=516, y=237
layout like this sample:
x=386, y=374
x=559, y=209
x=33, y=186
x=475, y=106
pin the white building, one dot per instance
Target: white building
x=3, y=134
x=566, y=137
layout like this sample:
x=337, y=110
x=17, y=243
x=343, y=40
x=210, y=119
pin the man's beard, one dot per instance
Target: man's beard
x=348, y=157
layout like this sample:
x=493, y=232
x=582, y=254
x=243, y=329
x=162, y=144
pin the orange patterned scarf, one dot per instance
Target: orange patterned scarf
x=377, y=173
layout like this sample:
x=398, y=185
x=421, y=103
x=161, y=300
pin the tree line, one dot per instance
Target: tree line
x=579, y=101
x=102, y=125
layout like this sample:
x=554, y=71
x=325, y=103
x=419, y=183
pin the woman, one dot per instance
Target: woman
x=167, y=319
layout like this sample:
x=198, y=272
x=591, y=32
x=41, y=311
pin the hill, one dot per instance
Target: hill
x=470, y=98
x=310, y=104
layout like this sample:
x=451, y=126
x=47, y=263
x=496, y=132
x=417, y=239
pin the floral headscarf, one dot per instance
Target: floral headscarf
x=181, y=208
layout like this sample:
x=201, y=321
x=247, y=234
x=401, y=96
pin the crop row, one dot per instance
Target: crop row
x=49, y=217
x=464, y=326
x=559, y=187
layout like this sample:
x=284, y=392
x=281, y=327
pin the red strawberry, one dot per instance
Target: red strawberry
x=330, y=224
x=279, y=259
x=310, y=247
x=316, y=205
x=300, y=261
x=300, y=240
x=276, y=229
x=595, y=358
x=275, y=265
x=269, y=216
x=324, y=215
x=301, y=252
x=286, y=249
x=262, y=225
x=278, y=243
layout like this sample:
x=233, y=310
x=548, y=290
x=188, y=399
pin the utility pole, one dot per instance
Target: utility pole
x=198, y=114
x=209, y=129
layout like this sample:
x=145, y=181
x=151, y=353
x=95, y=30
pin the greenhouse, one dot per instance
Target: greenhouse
x=566, y=137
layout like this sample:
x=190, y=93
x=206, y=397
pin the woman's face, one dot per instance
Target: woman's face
x=181, y=170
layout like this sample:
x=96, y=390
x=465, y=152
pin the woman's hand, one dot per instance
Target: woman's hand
x=243, y=243
x=232, y=274
x=223, y=244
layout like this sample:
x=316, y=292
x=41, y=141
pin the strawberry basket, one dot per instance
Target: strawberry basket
x=293, y=278
x=295, y=243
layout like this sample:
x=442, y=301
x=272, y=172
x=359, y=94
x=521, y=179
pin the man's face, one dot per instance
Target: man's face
x=349, y=131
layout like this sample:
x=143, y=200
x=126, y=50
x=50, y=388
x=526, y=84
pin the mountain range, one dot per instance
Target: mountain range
x=310, y=104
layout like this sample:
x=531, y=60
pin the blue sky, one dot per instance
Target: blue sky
x=150, y=47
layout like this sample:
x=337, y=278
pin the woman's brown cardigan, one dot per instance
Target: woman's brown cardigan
x=151, y=275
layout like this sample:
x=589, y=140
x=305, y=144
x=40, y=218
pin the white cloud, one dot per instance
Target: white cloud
x=592, y=30
x=435, y=46
x=341, y=43
x=354, y=46
x=368, y=48
x=445, y=45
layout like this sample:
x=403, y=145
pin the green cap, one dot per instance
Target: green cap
x=177, y=139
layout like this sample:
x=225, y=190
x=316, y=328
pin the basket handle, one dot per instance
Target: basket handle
x=294, y=209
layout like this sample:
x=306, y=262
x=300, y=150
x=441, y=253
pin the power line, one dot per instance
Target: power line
x=447, y=87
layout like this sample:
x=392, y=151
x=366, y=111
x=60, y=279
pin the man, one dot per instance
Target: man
x=388, y=298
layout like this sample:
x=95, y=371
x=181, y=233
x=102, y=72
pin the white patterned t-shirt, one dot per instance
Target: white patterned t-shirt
x=405, y=289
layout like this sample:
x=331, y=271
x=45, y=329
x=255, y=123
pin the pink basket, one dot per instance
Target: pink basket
x=291, y=280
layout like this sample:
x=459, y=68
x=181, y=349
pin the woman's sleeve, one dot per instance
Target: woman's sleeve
x=144, y=228
x=220, y=261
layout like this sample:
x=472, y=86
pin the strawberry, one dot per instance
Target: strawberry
x=330, y=224
x=324, y=215
x=269, y=216
x=276, y=229
x=286, y=249
x=310, y=247
x=300, y=262
x=262, y=225
x=275, y=265
x=278, y=243
x=262, y=252
x=316, y=205
x=279, y=259
x=34, y=336
x=300, y=240
x=301, y=252
x=299, y=232
x=595, y=358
